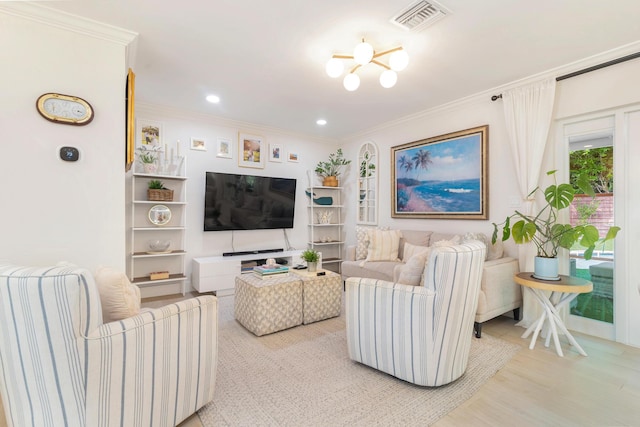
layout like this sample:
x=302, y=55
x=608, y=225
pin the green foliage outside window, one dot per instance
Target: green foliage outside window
x=594, y=164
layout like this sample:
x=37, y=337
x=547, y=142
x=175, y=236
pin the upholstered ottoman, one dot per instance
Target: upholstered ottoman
x=264, y=306
x=321, y=296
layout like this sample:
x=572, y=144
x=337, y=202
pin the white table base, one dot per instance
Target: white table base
x=551, y=305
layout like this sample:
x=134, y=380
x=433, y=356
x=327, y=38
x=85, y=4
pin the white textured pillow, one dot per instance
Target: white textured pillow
x=119, y=297
x=411, y=250
x=412, y=271
x=362, y=240
x=383, y=245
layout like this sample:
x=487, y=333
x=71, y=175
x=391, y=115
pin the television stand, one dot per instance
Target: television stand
x=218, y=273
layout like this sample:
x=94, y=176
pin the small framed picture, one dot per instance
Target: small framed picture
x=292, y=157
x=149, y=135
x=198, y=144
x=224, y=148
x=251, y=151
x=275, y=153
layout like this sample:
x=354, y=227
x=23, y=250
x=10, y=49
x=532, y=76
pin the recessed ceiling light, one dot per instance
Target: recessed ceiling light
x=321, y=122
x=213, y=99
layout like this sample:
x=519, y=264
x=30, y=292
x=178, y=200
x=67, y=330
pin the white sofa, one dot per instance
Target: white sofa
x=499, y=294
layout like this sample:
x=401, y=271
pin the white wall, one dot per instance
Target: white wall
x=54, y=210
x=182, y=126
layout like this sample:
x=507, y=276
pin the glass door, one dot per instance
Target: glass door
x=591, y=153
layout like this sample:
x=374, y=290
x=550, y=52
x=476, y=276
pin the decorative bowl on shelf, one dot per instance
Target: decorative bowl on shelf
x=159, y=245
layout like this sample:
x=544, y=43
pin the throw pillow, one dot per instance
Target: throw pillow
x=383, y=245
x=477, y=236
x=362, y=242
x=413, y=270
x=119, y=297
x=411, y=250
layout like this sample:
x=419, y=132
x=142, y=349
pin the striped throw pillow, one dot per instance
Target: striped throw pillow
x=383, y=245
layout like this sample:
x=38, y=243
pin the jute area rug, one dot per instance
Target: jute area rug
x=303, y=377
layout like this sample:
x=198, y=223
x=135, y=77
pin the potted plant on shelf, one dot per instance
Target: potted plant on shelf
x=156, y=191
x=311, y=257
x=547, y=233
x=331, y=169
x=148, y=160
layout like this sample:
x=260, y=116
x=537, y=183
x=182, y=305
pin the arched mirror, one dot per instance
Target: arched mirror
x=368, y=184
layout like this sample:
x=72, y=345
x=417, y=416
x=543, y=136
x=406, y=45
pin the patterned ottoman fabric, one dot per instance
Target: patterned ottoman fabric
x=269, y=305
x=321, y=296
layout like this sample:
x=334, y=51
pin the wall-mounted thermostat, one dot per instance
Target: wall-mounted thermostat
x=69, y=154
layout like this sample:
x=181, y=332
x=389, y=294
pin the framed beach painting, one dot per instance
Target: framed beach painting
x=443, y=177
x=251, y=151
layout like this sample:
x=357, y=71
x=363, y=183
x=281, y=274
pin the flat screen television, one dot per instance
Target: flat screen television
x=248, y=202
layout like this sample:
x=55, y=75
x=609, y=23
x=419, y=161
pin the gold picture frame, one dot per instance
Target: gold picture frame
x=443, y=177
x=130, y=128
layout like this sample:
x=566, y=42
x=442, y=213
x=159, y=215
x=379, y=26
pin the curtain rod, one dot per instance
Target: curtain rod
x=587, y=70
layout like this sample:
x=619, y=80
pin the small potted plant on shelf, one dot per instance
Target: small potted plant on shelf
x=148, y=161
x=156, y=191
x=547, y=233
x=331, y=169
x=311, y=257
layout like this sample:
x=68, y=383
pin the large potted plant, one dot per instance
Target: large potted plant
x=546, y=231
x=331, y=169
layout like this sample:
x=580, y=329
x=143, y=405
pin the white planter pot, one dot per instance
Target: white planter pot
x=546, y=268
x=312, y=267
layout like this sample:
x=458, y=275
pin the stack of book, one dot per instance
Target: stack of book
x=270, y=271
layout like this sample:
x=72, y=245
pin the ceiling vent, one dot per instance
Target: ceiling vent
x=420, y=15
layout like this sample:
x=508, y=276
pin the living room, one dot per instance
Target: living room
x=77, y=212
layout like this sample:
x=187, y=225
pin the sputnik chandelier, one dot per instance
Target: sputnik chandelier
x=364, y=54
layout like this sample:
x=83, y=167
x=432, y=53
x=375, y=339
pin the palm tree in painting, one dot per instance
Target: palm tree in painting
x=422, y=159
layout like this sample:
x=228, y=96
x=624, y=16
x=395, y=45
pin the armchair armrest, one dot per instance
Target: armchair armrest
x=158, y=367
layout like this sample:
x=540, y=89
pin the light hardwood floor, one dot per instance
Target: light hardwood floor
x=539, y=388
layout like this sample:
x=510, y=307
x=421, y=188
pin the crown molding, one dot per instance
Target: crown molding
x=59, y=19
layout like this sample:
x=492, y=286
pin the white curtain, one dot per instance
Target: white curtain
x=528, y=111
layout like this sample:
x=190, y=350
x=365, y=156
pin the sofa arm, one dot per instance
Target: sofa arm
x=156, y=368
x=350, y=254
x=498, y=291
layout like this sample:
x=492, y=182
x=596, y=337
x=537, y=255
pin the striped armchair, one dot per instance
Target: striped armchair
x=420, y=334
x=61, y=366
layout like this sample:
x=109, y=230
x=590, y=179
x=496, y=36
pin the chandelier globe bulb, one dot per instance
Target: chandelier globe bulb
x=399, y=60
x=351, y=82
x=334, y=68
x=388, y=79
x=363, y=53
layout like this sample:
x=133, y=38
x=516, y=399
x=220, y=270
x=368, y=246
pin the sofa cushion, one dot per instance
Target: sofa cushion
x=119, y=297
x=382, y=270
x=411, y=272
x=415, y=237
x=383, y=245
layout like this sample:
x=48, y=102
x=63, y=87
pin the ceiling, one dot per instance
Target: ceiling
x=265, y=59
